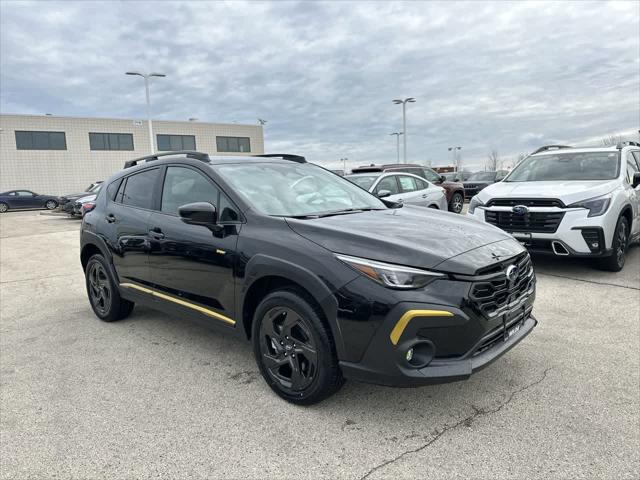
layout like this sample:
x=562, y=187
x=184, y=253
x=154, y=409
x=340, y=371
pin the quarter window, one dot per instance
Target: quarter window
x=40, y=140
x=110, y=141
x=233, y=144
x=173, y=143
x=137, y=189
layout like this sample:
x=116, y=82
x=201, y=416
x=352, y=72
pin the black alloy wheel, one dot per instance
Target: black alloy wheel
x=103, y=292
x=294, y=348
x=456, y=203
x=615, y=261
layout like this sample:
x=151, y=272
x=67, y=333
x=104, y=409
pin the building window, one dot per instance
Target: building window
x=40, y=140
x=233, y=144
x=172, y=143
x=111, y=141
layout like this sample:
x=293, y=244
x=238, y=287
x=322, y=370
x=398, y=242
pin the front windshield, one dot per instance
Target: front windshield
x=363, y=181
x=567, y=166
x=95, y=188
x=296, y=189
x=483, y=176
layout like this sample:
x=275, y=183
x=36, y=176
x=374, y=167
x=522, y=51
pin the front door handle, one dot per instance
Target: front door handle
x=156, y=233
x=400, y=200
x=111, y=218
x=425, y=195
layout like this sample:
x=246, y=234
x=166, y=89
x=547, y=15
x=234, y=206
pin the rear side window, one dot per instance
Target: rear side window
x=137, y=190
x=407, y=184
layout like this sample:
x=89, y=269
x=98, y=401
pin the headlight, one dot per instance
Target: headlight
x=389, y=275
x=475, y=202
x=596, y=206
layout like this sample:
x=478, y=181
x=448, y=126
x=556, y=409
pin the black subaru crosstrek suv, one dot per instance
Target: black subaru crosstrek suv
x=327, y=281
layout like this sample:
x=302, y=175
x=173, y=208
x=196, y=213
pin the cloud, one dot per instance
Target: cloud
x=485, y=75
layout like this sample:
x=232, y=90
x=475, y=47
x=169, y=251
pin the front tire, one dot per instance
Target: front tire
x=456, y=203
x=294, y=348
x=51, y=205
x=103, y=292
x=3, y=207
x=615, y=261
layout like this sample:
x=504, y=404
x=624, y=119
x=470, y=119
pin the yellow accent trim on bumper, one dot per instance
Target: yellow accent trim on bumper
x=179, y=301
x=397, y=331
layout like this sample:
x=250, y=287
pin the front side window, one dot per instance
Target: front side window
x=174, y=143
x=110, y=141
x=388, y=183
x=294, y=189
x=567, y=166
x=137, y=189
x=184, y=185
x=27, y=140
x=430, y=175
x=363, y=181
x=233, y=144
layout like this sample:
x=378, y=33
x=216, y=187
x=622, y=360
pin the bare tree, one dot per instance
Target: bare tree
x=492, y=161
x=612, y=140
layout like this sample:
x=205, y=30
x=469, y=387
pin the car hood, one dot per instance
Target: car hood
x=75, y=196
x=85, y=199
x=567, y=191
x=415, y=236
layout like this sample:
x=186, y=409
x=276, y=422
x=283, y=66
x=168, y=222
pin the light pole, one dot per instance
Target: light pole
x=397, y=134
x=404, y=123
x=344, y=164
x=146, y=77
x=455, y=157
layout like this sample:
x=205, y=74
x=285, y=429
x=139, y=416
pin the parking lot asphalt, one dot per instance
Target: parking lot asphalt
x=159, y=397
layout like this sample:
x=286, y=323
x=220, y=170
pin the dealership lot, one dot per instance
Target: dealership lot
x=153, y=396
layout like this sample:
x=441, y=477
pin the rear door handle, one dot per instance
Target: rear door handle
x=156, y=233
x=110, y=218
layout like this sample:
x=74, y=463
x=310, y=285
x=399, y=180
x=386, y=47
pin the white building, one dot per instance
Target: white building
x=60, y=155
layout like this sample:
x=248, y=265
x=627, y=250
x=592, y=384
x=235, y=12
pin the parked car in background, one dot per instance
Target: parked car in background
x=67, y=202
x=480, y=180
x=401, y=188
x=457, y=176
x=326, y=280
x=21, y=199
x=454, y=191
x=581, y=202
x=83, y=205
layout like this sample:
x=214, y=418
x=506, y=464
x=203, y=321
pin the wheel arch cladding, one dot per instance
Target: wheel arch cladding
x=627, y=212
x=266, y=274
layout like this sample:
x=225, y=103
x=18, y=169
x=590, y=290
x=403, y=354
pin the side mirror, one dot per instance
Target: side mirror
x=383, y=193
x=636, y=179
x=443, y=178
x=199, y=213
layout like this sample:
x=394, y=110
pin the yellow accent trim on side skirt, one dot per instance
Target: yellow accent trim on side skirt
x=396, y=333
x=179, y=301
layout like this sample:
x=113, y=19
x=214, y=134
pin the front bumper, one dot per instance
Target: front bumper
x=387, y=364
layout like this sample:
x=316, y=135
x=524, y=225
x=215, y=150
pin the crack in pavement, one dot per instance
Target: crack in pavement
x=588, y=281
x=477, y=412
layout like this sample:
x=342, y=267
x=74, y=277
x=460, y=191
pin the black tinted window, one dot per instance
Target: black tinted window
x=138, y=190
x=233, y=144
x=111, y=141
x=40, y=140
x=176, y=142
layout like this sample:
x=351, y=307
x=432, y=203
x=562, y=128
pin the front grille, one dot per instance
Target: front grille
x=539, y=222
x=528, y=202
x=496, y=294
x=500, y=333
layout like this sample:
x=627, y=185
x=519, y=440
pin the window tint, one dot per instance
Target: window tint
x=40, y=140
x=233, y=144
x=388, y=183
x=176, y=142
x=184, y=185
x=138, y=189
x=407, y=184
x=111, y=141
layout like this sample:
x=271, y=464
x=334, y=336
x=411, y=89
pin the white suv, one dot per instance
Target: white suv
x=569, y=201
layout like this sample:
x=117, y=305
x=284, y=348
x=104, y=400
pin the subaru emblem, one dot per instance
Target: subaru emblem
x=512, y=273
x=520, y=210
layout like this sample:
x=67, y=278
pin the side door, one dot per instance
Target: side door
x=127, y=216
x=192, y=266
x=411, y=194
x=389, y=183
x=25, y=199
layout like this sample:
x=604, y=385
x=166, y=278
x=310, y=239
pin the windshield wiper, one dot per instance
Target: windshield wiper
x=347, y=211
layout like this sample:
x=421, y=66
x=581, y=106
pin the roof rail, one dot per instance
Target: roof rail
x=549, y=147
x=621, y=145
x=187, y=153
x=284, y=156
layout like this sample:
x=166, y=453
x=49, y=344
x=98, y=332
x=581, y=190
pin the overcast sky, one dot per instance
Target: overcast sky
x=510, y=76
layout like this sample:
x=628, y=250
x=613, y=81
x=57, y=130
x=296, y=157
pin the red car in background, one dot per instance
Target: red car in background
x=454, y=191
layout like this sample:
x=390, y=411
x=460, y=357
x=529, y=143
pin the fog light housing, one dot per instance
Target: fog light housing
x=409, y=355
x=420, y=353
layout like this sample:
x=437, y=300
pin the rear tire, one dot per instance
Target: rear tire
x=456, y=203
x=3, y=207
x=294, y=348
x=615, y=261
x=103, y=292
